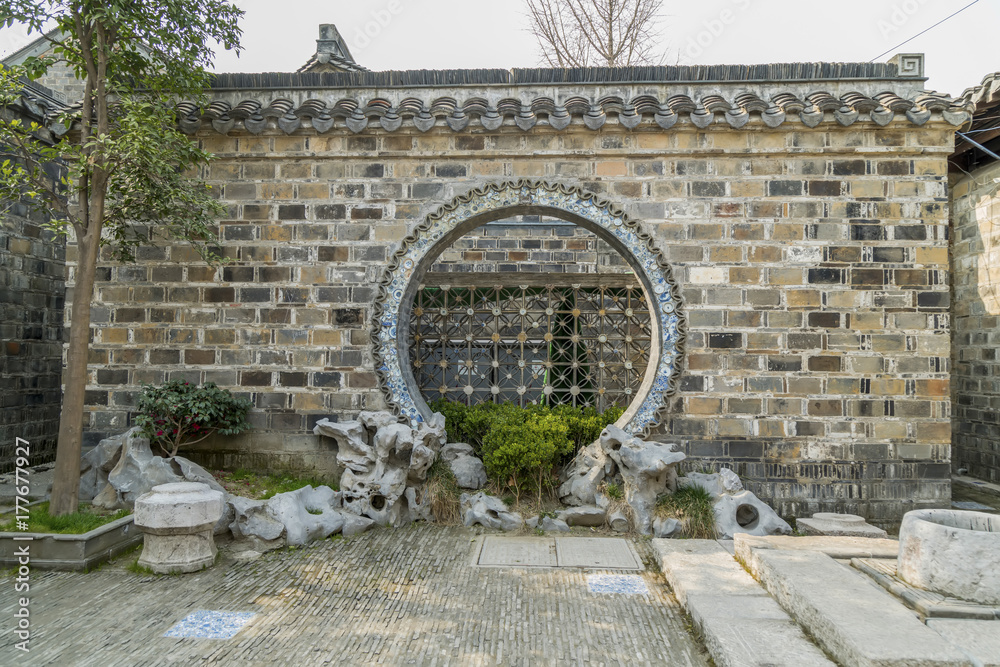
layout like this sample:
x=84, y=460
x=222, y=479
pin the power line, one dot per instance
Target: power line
x=923, y=31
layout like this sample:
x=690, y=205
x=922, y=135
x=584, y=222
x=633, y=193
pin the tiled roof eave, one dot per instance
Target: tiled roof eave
x=711, y=110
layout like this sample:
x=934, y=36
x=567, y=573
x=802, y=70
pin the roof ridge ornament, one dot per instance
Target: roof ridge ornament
x=332, y=53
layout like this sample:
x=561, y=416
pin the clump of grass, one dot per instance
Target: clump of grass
x=261, y=486
x=443, y=493
x=693, y=507
x=615, y=494
x=141, y=570
x=84, y=520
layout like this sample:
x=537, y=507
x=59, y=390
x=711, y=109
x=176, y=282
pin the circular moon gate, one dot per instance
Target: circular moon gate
x=495, y=201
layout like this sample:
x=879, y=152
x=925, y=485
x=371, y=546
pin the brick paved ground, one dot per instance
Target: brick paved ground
x=404, y=596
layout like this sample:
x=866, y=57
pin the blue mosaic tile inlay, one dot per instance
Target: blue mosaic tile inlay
x=211, y=624
x=970, y=505
x=505, y=196
x=626, y=584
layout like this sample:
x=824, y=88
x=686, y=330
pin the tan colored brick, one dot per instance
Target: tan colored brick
x=313, y=190
x=704, y=406
x=275, y=233
x=276, y=191
x=654, y=140
x=938, y=255
x=890, y=430
x=528, y=168
x=611, y=168
x=330, y=337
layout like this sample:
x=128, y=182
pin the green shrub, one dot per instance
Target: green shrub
x=179, y=413
x=471, y=424
x=521, y=446
x=520, y=450
x=585, y=425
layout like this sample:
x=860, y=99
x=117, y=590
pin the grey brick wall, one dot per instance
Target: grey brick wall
x=532, y=246
x=813, y=263
x=976, y=327
x=32, y=295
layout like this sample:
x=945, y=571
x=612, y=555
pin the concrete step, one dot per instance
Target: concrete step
x=849, y=615
x=740, y=623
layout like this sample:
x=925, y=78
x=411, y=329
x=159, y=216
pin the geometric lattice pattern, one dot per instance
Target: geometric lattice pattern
x=553, y=345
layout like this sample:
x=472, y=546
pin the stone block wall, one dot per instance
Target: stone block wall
x=61, y=80
x=976, y=328
x=533, y=247
x=32, y=296
x=813, y=264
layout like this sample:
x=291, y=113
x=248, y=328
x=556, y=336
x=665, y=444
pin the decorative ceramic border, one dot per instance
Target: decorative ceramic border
x=494, y=201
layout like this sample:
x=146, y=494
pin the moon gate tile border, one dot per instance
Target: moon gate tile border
x=416, y=251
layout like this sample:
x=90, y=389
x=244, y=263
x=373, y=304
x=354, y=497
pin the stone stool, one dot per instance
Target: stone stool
x=177, y=521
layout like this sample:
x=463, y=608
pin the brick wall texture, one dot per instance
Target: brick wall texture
x=61, y=80
x=813, y=264
x=976, y=327
x=530, y=247
x=32, y=294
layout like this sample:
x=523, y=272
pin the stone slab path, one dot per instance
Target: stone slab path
x=408, y=596
x=741, y=624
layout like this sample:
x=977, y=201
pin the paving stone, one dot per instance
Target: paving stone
x=702, y=566
x=518, y=552
x=847, y=614
x=740, y=622
x=979, y=640
x=602, y=552
x=846, y=525
x=843, y=548
x=387, y=596
x=928, y=603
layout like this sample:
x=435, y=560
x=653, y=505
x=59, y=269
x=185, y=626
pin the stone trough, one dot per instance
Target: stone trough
x=952, y=552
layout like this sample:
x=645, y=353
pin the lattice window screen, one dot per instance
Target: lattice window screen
x=582, y=345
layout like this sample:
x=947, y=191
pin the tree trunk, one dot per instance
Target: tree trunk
x=66, y=482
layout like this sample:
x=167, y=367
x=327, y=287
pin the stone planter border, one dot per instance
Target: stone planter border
x=57, y=551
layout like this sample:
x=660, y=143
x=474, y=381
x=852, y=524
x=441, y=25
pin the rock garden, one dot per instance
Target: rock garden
x=501, y=467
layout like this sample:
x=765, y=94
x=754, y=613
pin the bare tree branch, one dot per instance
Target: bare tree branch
x=586, y=33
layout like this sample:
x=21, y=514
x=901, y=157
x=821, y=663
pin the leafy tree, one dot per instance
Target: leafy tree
x=129, y=169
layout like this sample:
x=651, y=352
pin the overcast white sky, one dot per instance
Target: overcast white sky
x=441, y=34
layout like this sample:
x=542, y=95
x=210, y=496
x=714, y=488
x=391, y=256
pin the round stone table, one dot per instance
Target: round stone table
x=177, y=521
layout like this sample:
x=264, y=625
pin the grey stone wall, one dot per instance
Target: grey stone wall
x=63, y=82
x=976, y=326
